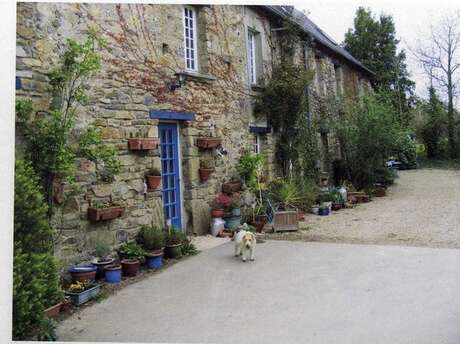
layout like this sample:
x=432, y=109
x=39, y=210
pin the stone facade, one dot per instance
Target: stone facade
x=145, y=51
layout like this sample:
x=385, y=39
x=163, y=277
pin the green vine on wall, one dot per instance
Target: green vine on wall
x=51, y=142
x=284, y=101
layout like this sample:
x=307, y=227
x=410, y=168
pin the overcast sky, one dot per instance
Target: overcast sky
x=412, y=19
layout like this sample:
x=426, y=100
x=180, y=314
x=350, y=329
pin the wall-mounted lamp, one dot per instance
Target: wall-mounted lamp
x=181, y=78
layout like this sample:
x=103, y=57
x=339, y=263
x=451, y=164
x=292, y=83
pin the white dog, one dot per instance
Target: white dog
x=245, y=245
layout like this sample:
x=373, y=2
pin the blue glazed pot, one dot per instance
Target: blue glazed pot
x=232, y=222
x=236, y=211
x=113, y=273
x=155, y=262
x=323, y=212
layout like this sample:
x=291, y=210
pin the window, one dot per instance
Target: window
x=252, y=57
x=190, y=39
x=257, y=144
x=338, y=80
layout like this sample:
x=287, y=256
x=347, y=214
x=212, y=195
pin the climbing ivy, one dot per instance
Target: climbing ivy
x=284, y=101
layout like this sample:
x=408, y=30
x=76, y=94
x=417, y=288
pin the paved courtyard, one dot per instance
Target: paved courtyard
x=295, y=292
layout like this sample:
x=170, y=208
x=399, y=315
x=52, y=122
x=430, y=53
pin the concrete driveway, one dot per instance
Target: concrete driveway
x=295, y=292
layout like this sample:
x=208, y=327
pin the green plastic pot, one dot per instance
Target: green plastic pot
x=173, y=251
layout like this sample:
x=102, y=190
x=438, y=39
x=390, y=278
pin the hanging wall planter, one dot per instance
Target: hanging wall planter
x=143, y=143
x=208, y=142
x=205, y=173
x=231, y=187
x=103, y=214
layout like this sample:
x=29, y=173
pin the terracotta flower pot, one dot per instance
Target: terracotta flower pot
x=153, y=182
x=54, y=311
x=205, y=173
x=84, y=273
x=208, y=142
x=259, y=225
x=217, y=212
x=231, y=187
x=103, y=214
x=143, y=143
x=130, y=267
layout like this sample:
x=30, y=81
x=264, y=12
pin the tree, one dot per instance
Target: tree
x=441, y=61
x=373, y=42
x=432, y=129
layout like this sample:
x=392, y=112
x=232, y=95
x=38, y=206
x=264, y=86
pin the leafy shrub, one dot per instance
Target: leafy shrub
x=132, y=250
x=249, y=167
x=406, y=151
x=32, y=232
x=102, y=250
x=36, y=283
x=384, y=176
x=286, y=193
x=309, y=192
x=152, y=238
x=36, y=286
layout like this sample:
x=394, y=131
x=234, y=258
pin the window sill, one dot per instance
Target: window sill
x=195, y=76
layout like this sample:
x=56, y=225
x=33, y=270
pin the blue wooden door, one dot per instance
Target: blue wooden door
x=170, y=173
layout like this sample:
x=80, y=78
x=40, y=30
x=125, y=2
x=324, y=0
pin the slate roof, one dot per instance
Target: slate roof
x=316, y=33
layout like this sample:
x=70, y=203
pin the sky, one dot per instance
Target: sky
x=412, y=21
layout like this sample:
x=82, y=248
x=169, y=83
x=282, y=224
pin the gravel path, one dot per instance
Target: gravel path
x=422, y=208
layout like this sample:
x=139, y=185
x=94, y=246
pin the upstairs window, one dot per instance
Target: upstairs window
x=252, y=57
x=190, y=39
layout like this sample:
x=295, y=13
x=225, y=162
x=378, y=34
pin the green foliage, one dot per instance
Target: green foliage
x=35, y=287
x=435, y=121
x=50, y=139
x=48, y=332
x=384, y=176
x=284, y=101
x=151, y=238
x=93, y=148
x=249, y=168
x=368, y=134
x=132, y=250
x=309, y=192
x=173, y=236
x=187, y=248
x=32, y=232
x=406, y=150
x=102, y=250
x=373, y=41
x=285, y=193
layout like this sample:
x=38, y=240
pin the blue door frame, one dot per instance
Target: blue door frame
x=170, y=173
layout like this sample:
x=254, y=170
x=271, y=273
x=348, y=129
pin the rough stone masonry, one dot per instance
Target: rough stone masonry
x=145, y=51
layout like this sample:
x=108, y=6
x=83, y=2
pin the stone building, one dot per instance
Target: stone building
x=177, y=73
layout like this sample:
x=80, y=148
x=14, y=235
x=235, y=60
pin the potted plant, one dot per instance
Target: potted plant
x=231, y=186
x=323, y=209
x=102, y=259
x=220, y=204
x=132, y=253
x=208, y=142
x=286, y=196
x=206, y=169
x=83, y=273
x=113, y=273
x=102, y=211
x=153, y=177
x=336, y=199
x=142, y=143
x=173, y=243
x=81, y=292
x=152, y=239
x=235, y=206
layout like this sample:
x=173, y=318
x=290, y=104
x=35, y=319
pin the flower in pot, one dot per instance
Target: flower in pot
x=206, y=169
x=153, y=177
x=173, y=243
x=132, y=253
x=102, y=259
x=152, y=238
x=81, y=292
x=221, y=203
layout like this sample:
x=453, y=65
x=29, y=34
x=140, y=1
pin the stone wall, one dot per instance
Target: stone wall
x=145, y=48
